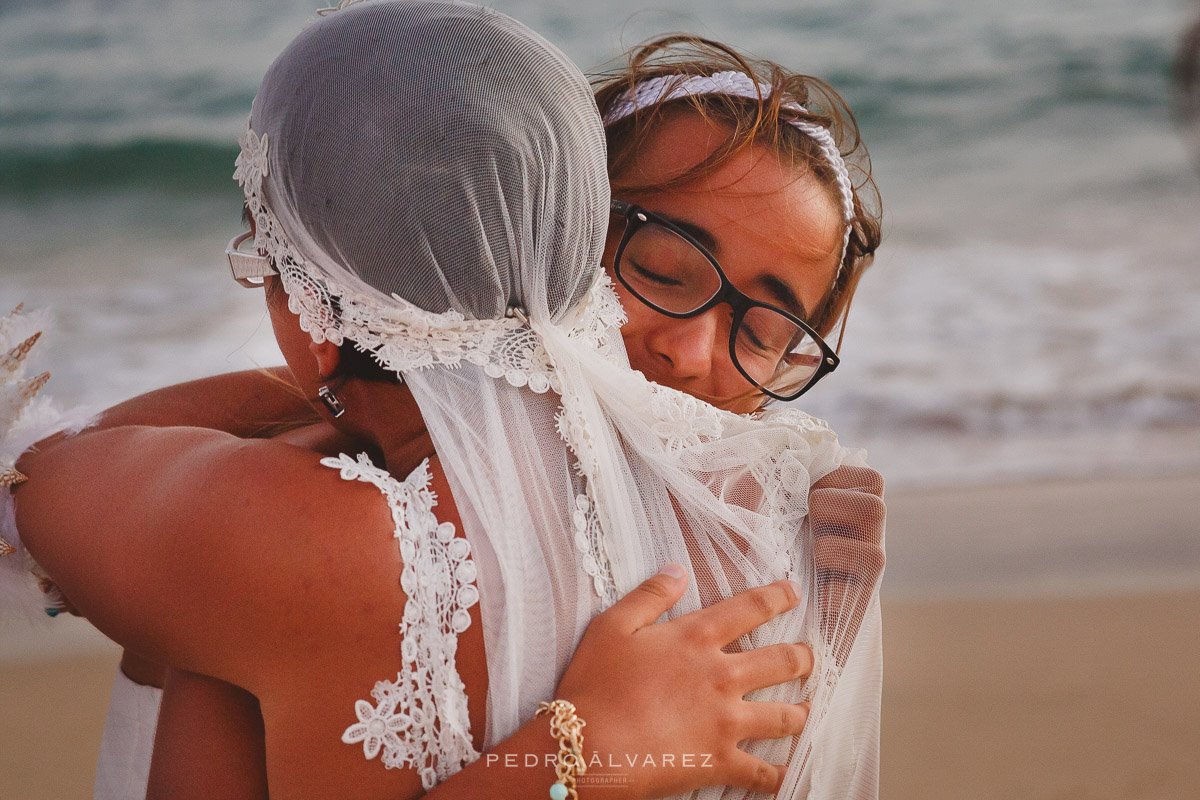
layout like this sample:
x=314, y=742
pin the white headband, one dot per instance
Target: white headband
x=739, y=84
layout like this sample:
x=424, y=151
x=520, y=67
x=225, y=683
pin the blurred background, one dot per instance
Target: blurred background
x=1020, y=361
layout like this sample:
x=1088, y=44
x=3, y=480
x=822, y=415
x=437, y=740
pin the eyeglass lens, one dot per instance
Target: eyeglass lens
x=668, y=272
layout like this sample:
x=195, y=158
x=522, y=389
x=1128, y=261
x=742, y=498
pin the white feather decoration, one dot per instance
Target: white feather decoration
x=26, y=417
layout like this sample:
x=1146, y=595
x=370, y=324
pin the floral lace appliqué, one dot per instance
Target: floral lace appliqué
x=589, y=547
x=794, y=418
x=419, y=720
x=251, y=164
x=681, y=421
x=400, y=335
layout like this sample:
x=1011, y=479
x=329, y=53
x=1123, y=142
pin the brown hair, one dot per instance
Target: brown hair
x=353, y=362
x=762, y=121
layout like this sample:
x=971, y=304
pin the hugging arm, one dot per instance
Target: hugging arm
x=154, y=534
x=209, y=742
x=642, y=687
x=249, y=404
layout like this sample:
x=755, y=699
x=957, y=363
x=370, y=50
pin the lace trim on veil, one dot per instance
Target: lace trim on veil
x=420, y=720
x=400, y=335
x=590, y=551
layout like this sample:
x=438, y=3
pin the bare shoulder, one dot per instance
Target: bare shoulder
x=199, y=548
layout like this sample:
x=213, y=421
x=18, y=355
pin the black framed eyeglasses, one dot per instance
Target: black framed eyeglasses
x=666, y=268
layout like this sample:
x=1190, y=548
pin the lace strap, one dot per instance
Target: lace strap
x=420, y=720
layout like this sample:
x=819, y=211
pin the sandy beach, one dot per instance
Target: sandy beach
x=1021, y=694
x=1080, y=699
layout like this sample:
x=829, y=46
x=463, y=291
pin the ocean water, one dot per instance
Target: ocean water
x=1033, y=311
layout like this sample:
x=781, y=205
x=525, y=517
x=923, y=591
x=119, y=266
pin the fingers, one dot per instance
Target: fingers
x=775, y=720
x=848, y=559
x=847, y=573
x=847, y=527
x=860, y=479
x=753, y=773
x=771, y=665
x=733, y=617
x=648, y=601
x=848, y=513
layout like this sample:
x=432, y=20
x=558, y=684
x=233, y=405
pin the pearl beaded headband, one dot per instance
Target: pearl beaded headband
x=739, y=84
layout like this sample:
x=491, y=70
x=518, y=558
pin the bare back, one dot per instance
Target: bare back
x=253, y=563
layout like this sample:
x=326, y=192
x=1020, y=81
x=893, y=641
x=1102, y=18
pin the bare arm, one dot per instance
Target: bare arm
x=247, y=404
x=156, y=534
x=256, y=403
x=209, y=742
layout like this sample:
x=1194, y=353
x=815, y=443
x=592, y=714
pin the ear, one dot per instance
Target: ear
x=328, y=357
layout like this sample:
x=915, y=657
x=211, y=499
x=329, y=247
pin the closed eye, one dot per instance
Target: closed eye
x=654, y=277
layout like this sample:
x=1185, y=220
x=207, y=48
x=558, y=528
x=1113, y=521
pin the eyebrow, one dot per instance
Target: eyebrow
x=698, y=232
x=784, y=295
x=777, y=288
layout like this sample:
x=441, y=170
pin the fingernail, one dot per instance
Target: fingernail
x=52, y=612
x=674, y=570
x=796, y=590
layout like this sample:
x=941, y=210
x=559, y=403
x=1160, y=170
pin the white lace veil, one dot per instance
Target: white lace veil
x=430, y=180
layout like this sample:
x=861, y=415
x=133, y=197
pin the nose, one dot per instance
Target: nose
x=688, y=349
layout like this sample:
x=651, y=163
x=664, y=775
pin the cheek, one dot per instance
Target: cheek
x=637, y=319
x=292, y=341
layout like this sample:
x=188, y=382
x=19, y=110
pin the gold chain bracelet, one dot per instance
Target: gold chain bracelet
x=567, y=727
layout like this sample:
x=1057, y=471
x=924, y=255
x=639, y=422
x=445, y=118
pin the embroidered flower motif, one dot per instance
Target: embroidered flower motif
x=793, y=418
x=385, y=692
x=323, y=12
x=420, y=719
x=589, y=545
x=574, y=431
x=251, y=163
x=377, y=727
x=602, y=316
x=682, y=421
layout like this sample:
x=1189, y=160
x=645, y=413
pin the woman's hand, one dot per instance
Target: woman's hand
x=663, y=704
x=846, y=515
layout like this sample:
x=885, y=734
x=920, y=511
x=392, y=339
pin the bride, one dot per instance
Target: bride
x=259, y=586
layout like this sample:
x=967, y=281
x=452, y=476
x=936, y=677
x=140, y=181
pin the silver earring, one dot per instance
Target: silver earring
x=331, y=401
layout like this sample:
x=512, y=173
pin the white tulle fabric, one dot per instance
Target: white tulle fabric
x=411, y=227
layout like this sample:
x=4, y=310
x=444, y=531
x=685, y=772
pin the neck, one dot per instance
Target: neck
x=385, y=417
